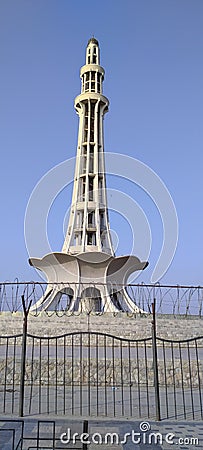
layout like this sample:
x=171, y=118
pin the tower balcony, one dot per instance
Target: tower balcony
x=85, y=96
x=92, y=68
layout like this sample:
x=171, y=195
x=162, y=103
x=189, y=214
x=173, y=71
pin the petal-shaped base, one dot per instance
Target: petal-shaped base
x=91, y=281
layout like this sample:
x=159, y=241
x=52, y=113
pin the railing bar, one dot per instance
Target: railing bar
x=56, y=372
x=10, y=336
x=5, y=378
x=48, y=364
x=116, y=338
x=177, y=341
x=88, y=381
x=13, y=377
x=174, y=381
x=122, y=394
x=64, y=375
x=199, y=379
x=105, y=384
x=191, y=390
x=113, y=387
x=40, y=362
x=54, y=434
x=72, y=363
x=130, y=377
x=31, y=376
x=165, y=378
x=182, y=379
x=97, y=375
x=81, y=375
x=38, y=424
x=138, y=380
x=146, y=376
x=13, y=438
x=85, y=431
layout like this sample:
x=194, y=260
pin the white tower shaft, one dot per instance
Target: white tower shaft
x=88, y=228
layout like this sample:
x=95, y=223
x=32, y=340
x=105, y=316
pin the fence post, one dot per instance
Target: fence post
x=23, y=356
x=155, y=362
x=85, y=431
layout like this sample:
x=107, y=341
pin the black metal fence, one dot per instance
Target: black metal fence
x=97, y=374
x=176, y=300
x=37, y=434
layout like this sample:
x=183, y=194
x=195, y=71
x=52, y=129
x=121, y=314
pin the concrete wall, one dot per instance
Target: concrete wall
x=122, y=325
x=105, y=374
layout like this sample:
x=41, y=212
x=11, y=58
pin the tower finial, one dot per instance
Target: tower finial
x=93, y=40
x=92, y=52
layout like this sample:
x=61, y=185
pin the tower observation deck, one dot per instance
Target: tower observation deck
x=86, y=271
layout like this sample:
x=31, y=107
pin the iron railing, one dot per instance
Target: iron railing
x=96, y=374
x=175, y=300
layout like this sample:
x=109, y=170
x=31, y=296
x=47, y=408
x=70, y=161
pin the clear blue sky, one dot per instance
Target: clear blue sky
x=152, y=54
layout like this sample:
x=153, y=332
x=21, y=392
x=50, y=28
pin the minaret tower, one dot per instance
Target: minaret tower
x=86, y=271
x=88, y=228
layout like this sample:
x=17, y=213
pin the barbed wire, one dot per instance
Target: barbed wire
x=170, y=299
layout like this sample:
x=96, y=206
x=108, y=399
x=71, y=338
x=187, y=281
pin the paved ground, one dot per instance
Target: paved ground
x=141, y=435
x=105, y=401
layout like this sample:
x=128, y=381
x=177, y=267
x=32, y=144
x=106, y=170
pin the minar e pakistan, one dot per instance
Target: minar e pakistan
x=86, y=269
